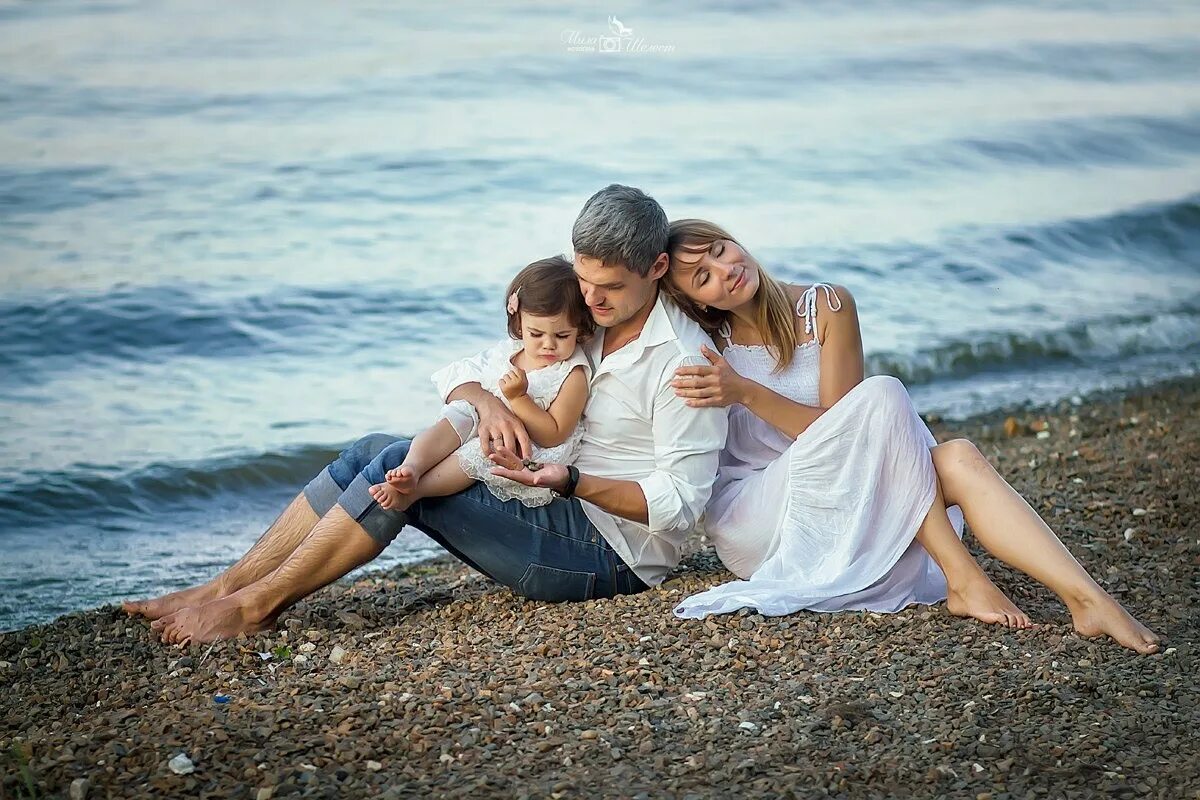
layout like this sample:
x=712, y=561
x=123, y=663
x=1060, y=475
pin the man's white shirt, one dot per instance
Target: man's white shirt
x=637, y=429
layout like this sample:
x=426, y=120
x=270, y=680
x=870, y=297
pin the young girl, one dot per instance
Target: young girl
x=540, y=372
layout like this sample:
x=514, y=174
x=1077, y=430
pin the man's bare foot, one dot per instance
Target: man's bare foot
x=158, y=607
x=979, y=598
x=1102, y=615
x=403, y=478
x=385, y=495
x=223, y=618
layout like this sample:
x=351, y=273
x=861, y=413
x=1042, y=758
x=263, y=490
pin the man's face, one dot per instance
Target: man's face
x=615, y=294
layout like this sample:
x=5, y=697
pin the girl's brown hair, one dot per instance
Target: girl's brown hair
x=548, y=287
x=775, y=315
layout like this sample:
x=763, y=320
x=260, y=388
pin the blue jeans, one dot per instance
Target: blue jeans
x=551, y=552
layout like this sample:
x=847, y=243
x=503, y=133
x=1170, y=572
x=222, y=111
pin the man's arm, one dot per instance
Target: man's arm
x=687, y=445
x=498, y=426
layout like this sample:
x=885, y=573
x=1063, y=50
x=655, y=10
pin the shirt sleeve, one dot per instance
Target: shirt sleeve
x=455, y=374
x=687, y=446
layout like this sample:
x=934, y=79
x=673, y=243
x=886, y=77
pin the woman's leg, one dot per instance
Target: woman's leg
x=1011, y=530
x=971, y=592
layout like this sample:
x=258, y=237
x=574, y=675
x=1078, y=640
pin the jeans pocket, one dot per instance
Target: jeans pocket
x=556, y=585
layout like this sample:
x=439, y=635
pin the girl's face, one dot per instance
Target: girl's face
x=723, y=277
x=548, y=340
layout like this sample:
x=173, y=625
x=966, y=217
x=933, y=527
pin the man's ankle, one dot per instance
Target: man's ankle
x=256, y=607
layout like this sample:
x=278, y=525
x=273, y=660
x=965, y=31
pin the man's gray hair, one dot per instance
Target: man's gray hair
x=622, y=225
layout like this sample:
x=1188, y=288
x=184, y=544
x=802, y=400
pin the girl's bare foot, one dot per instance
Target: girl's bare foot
x=403, y=479
x=386, y=495
x=158, y=607
x=1101, y=615
x=979, y=598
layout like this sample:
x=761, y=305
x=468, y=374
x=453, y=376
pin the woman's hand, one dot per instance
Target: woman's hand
x=717, y=385
x=514, y=383
x=508, y=465
x=500, y=427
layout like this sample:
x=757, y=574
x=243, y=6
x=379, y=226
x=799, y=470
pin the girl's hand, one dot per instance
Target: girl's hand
x=551, y=476
x=514, y=383
x=717, y=385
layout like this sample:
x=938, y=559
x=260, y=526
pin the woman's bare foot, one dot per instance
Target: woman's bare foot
x=385, y=495
x=224, y=618
x=158, y=607
x=1102, y=615
x=403, y=479
x=981, y=599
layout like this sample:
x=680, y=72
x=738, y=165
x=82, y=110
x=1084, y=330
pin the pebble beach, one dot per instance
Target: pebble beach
x=430, y=680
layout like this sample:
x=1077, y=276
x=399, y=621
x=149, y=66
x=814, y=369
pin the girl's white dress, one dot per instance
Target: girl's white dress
x=825, y=521
x=544, y=385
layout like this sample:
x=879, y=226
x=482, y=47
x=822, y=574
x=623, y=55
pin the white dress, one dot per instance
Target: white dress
x=544, y=385
x=826, y=521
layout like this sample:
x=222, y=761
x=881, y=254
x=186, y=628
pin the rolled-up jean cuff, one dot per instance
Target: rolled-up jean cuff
x=322, y=492
x=379, y=523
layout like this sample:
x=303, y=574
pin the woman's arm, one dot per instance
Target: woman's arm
x=841, y=347
x=551, y=427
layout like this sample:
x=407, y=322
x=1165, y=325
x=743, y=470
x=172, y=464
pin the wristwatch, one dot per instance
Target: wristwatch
x=572, y=482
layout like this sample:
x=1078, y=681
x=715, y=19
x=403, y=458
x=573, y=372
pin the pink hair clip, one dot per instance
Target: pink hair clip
x=513, y=302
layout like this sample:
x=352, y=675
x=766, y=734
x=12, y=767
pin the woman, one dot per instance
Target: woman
x=832, y=493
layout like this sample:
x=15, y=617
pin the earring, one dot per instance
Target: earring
x=703, y=307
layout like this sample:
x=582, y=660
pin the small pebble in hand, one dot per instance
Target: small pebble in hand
x=531, y=465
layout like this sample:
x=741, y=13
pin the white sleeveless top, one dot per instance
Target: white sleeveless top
x=754, y=443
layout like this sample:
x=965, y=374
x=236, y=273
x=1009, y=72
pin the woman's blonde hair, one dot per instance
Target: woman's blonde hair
x=775, y=317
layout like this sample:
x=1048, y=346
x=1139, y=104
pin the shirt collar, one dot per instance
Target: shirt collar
x=659, y=328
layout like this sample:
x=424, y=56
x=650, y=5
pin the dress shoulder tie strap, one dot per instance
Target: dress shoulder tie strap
x=725, y=332
x=806, y=306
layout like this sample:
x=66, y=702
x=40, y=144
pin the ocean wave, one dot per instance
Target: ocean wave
x=98, y=492
x=1176, y=331
x=149, y=322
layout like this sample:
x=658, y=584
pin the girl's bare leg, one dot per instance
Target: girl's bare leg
x=428, y=449
x=446, y=478
x=1011, y=530
x=971, y=592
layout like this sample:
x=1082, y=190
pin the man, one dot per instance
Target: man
x=642, y=478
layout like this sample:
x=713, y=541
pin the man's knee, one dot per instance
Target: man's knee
x=388, y=458
x=365, y=449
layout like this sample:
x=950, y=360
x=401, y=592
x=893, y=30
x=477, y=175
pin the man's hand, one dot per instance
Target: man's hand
x=509, y=465
x=514, y=383
x=499, y=427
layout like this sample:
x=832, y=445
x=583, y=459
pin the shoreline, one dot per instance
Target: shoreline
x=618, y=698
